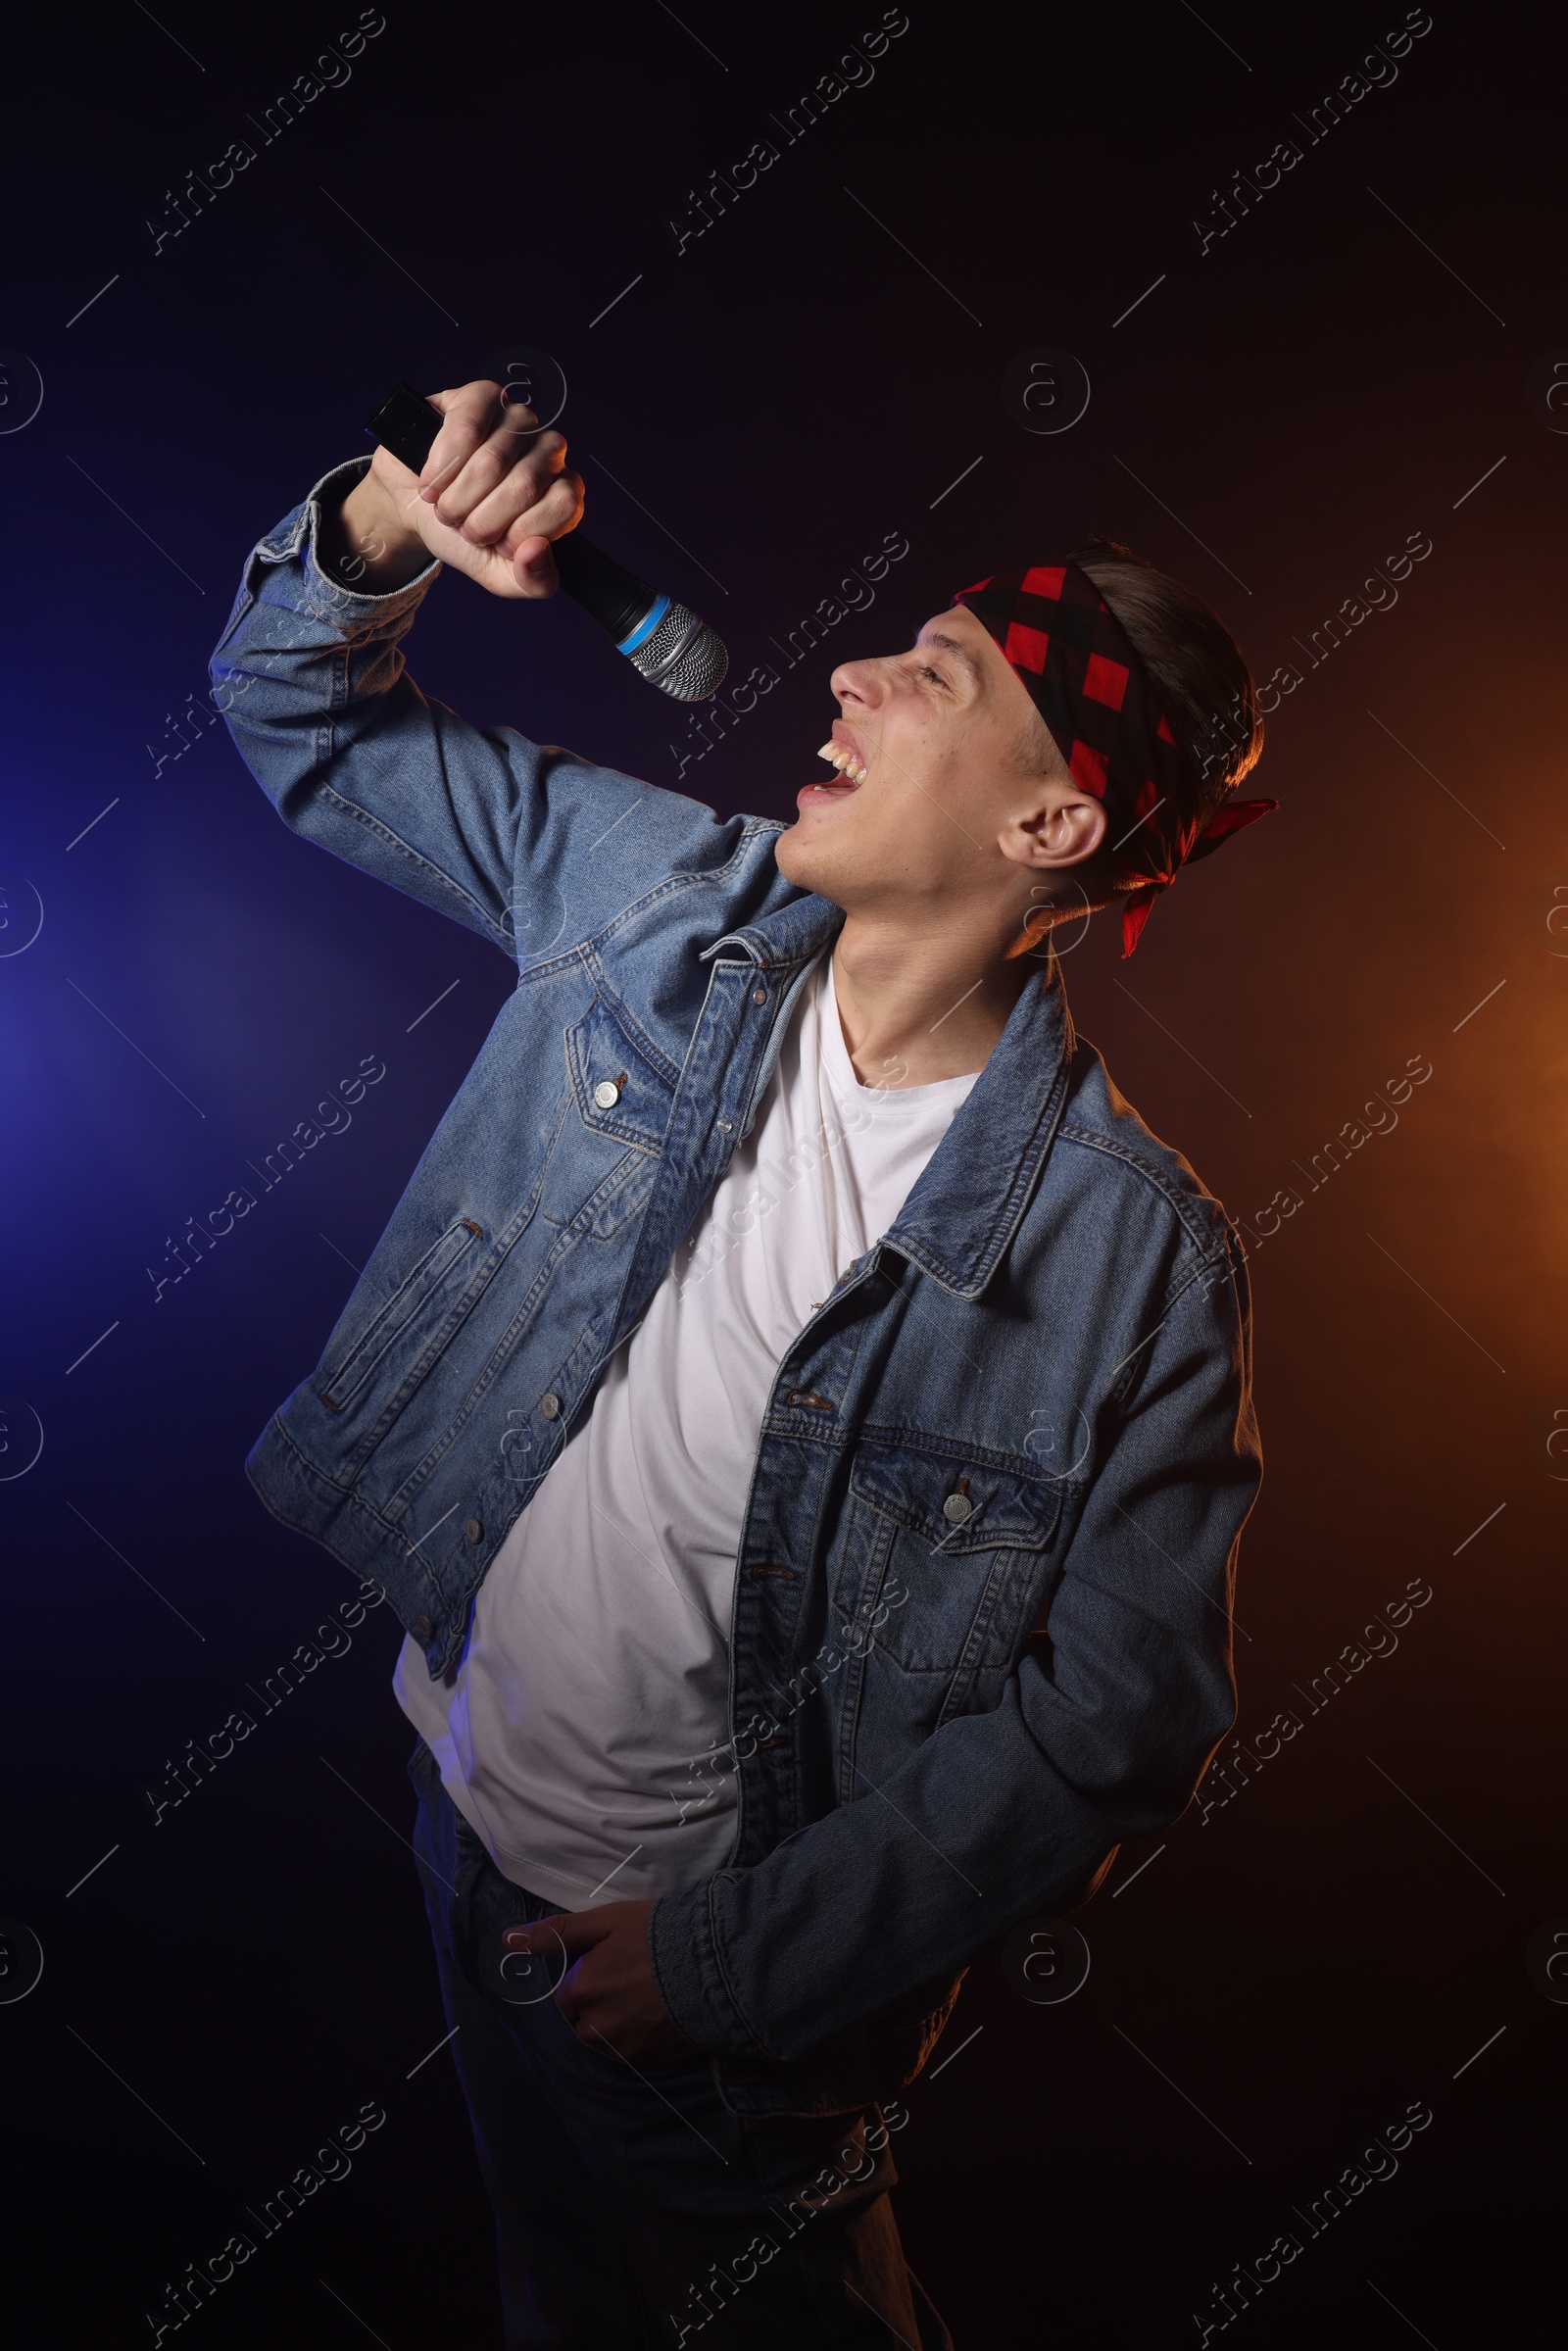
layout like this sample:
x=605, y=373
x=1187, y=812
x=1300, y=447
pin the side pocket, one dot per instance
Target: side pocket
x=345, y=1380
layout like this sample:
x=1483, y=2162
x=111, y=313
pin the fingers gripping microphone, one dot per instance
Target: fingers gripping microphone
x=666, y=642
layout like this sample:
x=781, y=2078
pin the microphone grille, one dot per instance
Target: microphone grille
x=683, y=657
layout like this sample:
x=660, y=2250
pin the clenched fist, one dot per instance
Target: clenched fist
x=493, y=493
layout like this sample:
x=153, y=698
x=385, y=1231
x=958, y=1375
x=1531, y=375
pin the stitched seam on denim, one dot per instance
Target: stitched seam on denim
x=1137, y=1363
x=1031, y=1160
x=327, y=598
x=659, y=1061
x=1178, y=1200
x=581, y=949
x=454, y=1317
x=384, y=832
x=567, y=1238
x=666, y=888
x=244, y=606
x=597, y=1122
x=501, y=1355
x=723, y=1977
x=763, y=956
x=972, y=1656
x=302, y=545
x=920, y=1524
x=753, y=829
x=380, y=1321
x=583, y=1218
x=846, y=1737
x=981, y=1265
x=282, y=545
x=1181, y=1282
x=684, y=878
x=951, y=1449
x=549, y=967
x=699, y=1947
x=355, y=1500
x=653, y=1960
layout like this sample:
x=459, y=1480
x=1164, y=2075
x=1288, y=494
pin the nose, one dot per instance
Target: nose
x=859, y=682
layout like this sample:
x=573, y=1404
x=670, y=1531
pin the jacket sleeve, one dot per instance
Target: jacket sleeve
x=1008, y=1816
x=500, y=833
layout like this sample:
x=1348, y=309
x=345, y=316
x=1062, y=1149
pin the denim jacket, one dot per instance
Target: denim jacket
x=981, y=1623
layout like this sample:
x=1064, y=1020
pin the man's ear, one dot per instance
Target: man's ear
x=1062, y=827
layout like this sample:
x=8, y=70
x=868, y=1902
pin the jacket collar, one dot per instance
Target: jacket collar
x=975, y=1187
x=972, y=1197
x=797, y=932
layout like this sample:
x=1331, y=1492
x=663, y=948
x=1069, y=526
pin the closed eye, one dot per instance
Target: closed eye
x=933, y=641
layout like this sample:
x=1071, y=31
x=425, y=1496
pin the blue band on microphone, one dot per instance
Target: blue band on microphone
x=646, y=626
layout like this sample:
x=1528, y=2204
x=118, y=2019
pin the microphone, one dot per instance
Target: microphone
x=666, y=642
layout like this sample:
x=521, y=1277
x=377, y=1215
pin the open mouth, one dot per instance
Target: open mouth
x=847, y=759
x=851, y=774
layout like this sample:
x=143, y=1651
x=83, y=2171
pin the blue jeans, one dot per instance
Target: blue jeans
x=633, y=2211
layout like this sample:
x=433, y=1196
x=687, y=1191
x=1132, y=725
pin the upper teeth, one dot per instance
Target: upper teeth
x=843, y=760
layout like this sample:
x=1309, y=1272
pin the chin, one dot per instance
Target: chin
x=794, y=859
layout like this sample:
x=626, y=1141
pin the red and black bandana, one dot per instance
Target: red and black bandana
x=1098, y=703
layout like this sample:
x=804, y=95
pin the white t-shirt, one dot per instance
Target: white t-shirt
x=595, y=1679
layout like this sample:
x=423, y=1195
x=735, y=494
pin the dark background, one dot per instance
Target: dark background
x=1289, y=1971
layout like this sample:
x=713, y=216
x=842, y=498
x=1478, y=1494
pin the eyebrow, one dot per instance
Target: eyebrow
x=948, y=645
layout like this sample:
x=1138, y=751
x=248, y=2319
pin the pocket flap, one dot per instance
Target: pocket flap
x=618, y=1094
x=958, y=1501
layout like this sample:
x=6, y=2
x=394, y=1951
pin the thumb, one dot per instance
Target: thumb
x=533, y=568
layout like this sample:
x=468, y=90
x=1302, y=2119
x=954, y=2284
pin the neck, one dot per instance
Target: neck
x=936, y=1003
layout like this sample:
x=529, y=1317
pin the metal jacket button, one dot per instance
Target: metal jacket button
x=474, y=1529
x=956, y=1508
x=550, y=1407
x=759, y=996
x=607, y=1094
x=424, y=1626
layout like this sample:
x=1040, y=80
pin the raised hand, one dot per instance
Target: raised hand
x=492, y=494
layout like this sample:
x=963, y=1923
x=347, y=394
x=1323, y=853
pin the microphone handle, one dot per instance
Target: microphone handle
x=621, y=603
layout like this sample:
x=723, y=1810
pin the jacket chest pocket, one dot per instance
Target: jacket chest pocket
x=605, y=1157
x=946, y=1547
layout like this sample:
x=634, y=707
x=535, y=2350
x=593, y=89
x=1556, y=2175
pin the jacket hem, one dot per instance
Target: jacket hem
x=301, y=1498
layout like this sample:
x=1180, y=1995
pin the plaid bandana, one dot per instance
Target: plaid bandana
x=1097, y=702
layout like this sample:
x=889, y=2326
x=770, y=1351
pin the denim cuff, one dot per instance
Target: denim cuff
x=347, y=610
x=683, y=1947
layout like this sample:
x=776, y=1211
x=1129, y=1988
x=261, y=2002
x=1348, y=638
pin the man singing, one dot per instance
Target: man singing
x=800, y=1414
